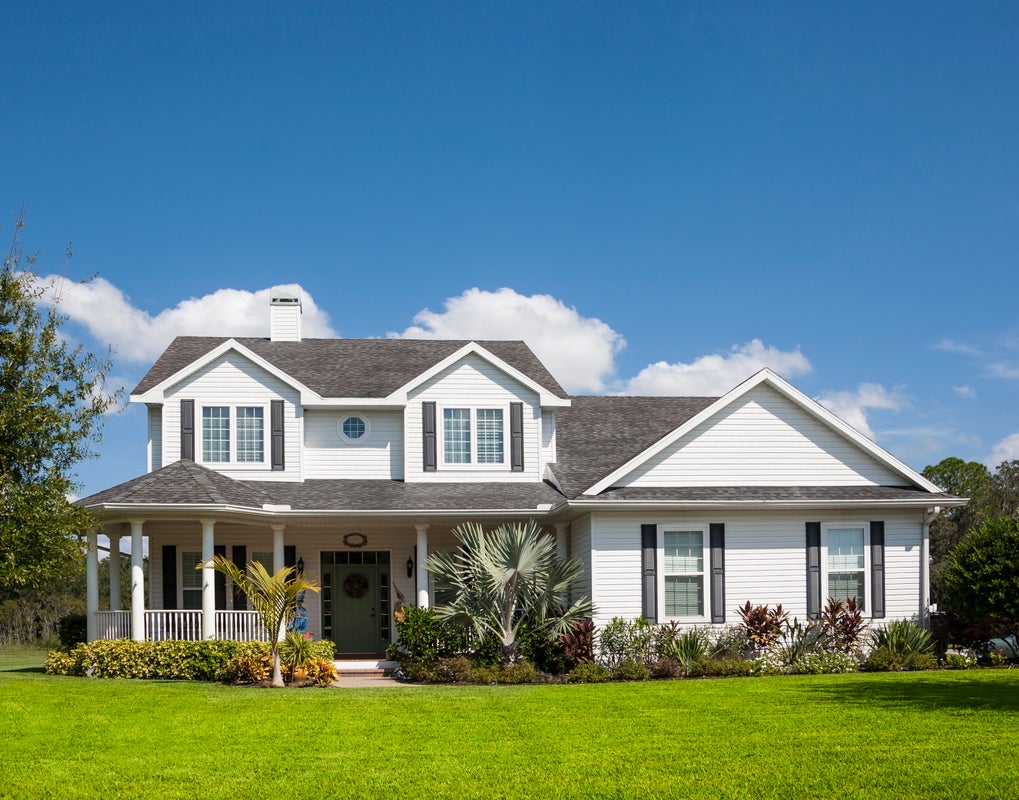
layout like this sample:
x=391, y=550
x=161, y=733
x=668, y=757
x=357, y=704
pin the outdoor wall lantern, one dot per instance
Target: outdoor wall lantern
x=410, y=567
x=300, y=566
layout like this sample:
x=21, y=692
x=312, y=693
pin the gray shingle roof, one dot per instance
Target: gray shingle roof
x=595, y=435
x=187, y=483
x=349, y=367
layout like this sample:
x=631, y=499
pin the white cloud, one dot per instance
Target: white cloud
x=952, y=346
x=965, y=391
x=139, y=337
x=579, y=351
x=716, y=374
x=851, y=407
x=1005, y=450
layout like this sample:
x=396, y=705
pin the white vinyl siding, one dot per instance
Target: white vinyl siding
x=762, y=439
x=155, y=444
x=473, y=383
x=234, y=382
x=377, y=455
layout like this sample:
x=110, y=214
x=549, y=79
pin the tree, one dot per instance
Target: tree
x=508, y=579
x=980, y=580
x=273, y=597
x=966, y=479
x=52, y=402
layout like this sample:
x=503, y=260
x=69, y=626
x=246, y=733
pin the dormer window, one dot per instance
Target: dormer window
x=354, y=429
x=473, y=436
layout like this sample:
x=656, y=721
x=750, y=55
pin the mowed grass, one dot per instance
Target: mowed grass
x=944, y=734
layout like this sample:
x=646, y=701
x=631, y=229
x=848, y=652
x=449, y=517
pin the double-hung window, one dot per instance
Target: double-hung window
x=191, y=580
x=684, y=573
x=846, y=563
x=233, y=434
x=473, y=436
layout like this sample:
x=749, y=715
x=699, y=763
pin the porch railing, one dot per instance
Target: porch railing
x=241, y=626
x=113, y=624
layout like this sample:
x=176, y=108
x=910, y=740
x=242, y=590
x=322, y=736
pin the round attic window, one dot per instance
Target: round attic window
x=354, y=429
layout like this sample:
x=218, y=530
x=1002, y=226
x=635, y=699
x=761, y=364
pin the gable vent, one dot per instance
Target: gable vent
x=284, y=316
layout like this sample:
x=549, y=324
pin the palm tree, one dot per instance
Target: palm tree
x=506, y=579
x=274, y=597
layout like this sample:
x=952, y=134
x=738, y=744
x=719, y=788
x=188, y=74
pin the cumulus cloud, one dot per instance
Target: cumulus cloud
x=139, y=337
x=716, y=374
x=579, y=351
x=965, y=391
x=952, y=346
x=851, y=407
x=1005, y=450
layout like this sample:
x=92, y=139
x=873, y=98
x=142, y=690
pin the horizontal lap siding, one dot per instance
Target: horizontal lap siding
x=548, y=438
x=327, y=455
x=155, y=426
x=580, y=550
x=765, y=558
x=763, y=439
x=475, y=383
x=234, y=381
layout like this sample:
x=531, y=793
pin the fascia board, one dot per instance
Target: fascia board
x=737, y=505
x=545, y=398
x=793, y=394
x=157, y=392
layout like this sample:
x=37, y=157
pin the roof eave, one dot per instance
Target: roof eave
x=737, y=505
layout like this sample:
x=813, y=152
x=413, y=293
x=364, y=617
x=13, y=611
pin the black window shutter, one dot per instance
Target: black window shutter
x=187, y=429
x=169, y=577
x=220, y=550
x=428, y=430
x=877, y=570
x=813, y=570
x=276, y=421
x=717, y=535
x=240, y=559
x=517, y=437
x=649, y=584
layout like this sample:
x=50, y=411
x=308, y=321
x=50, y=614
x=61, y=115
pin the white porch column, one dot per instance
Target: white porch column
x=91, y=586
x=277, y=548
x=562, y=540
x=422, y=573
x=137, y=582
x=114, y=572
x=208, y=580
x=925, y=566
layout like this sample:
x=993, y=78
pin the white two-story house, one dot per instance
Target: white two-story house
x=355, y=459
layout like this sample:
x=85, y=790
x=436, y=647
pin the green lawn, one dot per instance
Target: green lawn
x=945, y=734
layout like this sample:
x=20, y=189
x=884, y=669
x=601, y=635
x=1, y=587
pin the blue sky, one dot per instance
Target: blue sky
x=833, y=192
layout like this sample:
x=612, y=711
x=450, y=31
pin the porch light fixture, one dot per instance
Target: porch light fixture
x=410, y=567
x=300, y=566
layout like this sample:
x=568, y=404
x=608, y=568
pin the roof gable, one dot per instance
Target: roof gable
x=716, y=409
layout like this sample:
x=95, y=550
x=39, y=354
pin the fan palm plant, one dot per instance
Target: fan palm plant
x=273, y=597
x=506, y=579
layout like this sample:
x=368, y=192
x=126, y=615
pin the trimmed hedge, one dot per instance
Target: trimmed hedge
x=169, y=660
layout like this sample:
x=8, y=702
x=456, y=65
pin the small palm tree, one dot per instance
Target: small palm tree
x=506, y=579
x=273, y=597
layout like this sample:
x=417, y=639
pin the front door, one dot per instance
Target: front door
x=355, y=601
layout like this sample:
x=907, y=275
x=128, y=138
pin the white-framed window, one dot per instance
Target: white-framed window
x=354, y=428
x=845, y=561
x=684, y=550
x=474, y=436
x=191, y=580
x=234, y=435
x=265, y=559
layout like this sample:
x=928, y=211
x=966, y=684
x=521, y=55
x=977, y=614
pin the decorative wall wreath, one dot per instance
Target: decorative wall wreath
x=355, y=586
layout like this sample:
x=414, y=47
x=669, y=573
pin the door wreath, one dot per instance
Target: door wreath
x=355, y=586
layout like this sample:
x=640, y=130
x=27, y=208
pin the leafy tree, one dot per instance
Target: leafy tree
x=507, y=580
x=980, y=581
x=52, y=401
x=967, y=479
x=274, y=597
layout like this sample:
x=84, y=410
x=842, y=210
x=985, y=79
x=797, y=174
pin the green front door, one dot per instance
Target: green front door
x=355, y=601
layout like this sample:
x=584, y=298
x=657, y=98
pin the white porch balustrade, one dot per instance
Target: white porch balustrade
x=240, y=626
x=113, y=624
x=184, y=625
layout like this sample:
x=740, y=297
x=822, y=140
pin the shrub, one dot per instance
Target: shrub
x=884, y=659
x=590, y=672
x=624, y=640
x=630, y=670
x=724, y=668
x=797, y=642
x=667, y=668
x=72, y=630
x=763, y=625
x=825, y=662
x=170, y=660
x=423, y=638
x=520, y=672
x=959, y=658
x=691, y=646
x=453, y=670
x=320, y=672
x=547, y=655
x=296, y=650
x=247, y=669
x=843, y=625
x=904, y=638
x=578, y=641
x=730, y=642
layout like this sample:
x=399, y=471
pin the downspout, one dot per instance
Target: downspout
x=929, y=515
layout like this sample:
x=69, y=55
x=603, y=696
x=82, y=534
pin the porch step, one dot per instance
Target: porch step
x=364, y=666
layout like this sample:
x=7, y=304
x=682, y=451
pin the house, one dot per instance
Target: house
x=354, y=459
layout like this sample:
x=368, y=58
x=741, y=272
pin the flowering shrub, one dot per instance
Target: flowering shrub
x=959, y=658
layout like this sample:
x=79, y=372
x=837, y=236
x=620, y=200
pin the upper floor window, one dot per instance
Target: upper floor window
x=354, y=429
x=473, y=436
x=233, y=434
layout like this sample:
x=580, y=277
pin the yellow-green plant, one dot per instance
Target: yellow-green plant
x=273, y=597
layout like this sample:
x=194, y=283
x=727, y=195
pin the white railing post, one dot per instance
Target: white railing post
x=92, y=586
x=208, y=580
x=137, y=582
x=422, y=557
